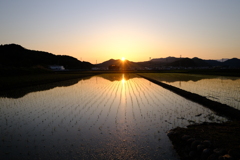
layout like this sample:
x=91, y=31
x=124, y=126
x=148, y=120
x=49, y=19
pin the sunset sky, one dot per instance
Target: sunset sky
x=98, y=30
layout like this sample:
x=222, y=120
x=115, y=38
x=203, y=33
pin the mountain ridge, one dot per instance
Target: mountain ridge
x=14, y=55
x=171, y=62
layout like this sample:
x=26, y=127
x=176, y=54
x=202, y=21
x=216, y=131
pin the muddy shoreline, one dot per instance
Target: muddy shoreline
x=210, y=141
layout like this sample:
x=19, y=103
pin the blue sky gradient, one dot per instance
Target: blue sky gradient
x=137, y=29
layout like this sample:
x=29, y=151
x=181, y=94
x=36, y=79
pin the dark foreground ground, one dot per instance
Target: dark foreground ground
x=211, y=141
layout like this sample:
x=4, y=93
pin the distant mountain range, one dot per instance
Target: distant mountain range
x=13, y=55
x=126, y=64
x=172, y=62
x=197, y=62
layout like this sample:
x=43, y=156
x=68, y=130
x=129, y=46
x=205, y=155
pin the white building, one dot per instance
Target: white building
x=57, y=67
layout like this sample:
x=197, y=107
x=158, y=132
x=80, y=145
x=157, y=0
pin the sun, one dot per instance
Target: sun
x=123, y=59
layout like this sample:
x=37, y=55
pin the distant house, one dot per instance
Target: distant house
x=95, y=68
x=114, y=68
x=57, y=68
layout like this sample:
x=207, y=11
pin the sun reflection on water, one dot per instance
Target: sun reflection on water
x=123, y=79
x=112, y=116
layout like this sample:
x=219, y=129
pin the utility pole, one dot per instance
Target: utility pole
x=150, y=61
x=180, y=61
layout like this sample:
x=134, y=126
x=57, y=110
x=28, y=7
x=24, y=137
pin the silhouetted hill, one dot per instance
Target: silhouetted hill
x=234, y=62
x=72, y=63
x=165, y=60
x=184, y=62
x=16, y=56
x=214, y=62
x=176, y=62
x=200, y=63
x=13, y=55
x=231, y=63
x=106, y=64
x=122, y=64
x=172, y=61
x=187, y=62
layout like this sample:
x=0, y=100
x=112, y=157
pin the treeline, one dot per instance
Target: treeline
x=16, y=56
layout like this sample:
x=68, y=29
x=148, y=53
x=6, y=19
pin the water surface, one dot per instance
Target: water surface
x=222, y=89
x=113, y=116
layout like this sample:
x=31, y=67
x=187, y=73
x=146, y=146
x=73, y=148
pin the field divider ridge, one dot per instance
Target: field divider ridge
x=219, y=108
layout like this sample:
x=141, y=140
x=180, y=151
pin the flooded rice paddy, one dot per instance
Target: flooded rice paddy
x=225, y=90
x=113, y=116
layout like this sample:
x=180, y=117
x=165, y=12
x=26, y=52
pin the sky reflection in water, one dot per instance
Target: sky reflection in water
x=105, y=117
x=225, y=90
